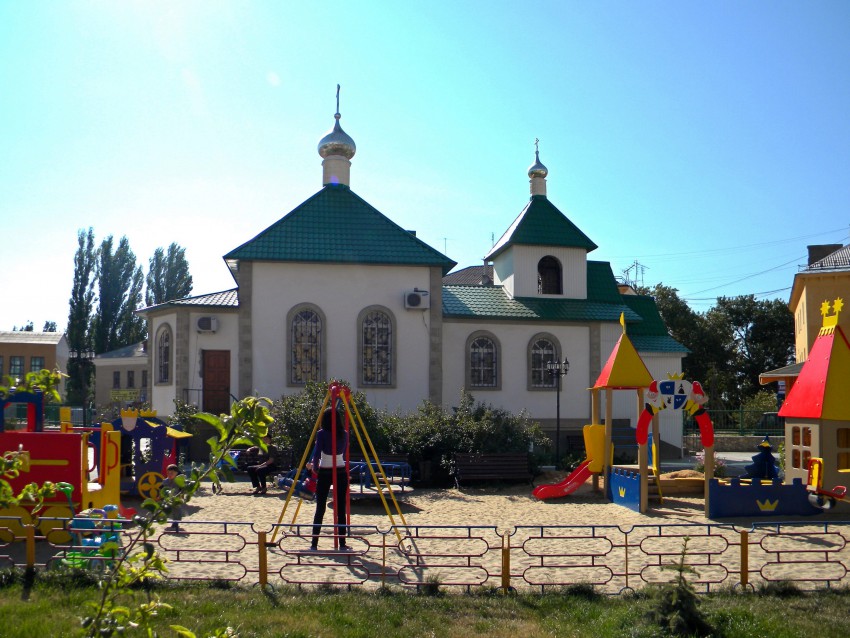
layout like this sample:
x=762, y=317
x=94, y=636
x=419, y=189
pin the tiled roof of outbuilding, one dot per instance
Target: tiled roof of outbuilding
x=223, y=299
x=837, y=260
x=491, y=302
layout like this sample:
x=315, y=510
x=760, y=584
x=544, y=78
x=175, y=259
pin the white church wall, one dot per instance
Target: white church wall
x=514, y=394
x=573, y=265
x=226, y=337
x=162, y=394
x=341, y=293
x=503, y=272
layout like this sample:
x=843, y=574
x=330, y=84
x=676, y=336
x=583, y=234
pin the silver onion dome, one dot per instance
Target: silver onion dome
x=337, y=142
x=537, y=169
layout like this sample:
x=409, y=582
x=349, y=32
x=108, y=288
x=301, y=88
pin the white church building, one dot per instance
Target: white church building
x=336, y=289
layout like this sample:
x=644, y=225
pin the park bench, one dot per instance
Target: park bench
x=503, y=466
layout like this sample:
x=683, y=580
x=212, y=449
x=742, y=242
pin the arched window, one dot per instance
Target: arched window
x=376, y=348
x=305, y=346
x=549, y=280
x=542, y=349
x=483, y=361
x=163, y=355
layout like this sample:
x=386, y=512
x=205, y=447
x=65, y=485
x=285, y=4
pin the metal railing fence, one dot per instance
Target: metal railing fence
x=614, y=559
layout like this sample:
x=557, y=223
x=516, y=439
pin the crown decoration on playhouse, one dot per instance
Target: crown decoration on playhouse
x=766, y=505
x=820, y=391
x=624, y=369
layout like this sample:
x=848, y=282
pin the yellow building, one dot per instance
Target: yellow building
x=827, y=276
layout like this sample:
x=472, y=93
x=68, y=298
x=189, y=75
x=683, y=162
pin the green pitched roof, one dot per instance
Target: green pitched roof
x=492, y=302
x=335, y=225
x=650, y=335
x=541, y=224
x=604, y=301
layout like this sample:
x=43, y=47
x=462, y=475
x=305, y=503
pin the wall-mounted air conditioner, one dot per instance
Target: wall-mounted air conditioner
x=417, y=299
x=207, y=324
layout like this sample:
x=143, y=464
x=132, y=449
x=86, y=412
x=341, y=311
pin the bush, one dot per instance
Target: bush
x=428, y=435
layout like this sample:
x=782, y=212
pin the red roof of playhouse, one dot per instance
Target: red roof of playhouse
x=821, y=389
x=624, y=370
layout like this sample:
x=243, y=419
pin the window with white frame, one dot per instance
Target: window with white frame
x=36, y=364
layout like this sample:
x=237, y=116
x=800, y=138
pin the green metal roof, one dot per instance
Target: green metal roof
x=492, y=302
x=336, y=226
x=601, y=284
x=650, y=335
x=541, y=224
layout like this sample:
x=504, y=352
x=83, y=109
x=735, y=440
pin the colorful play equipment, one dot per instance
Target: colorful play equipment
x=817, y=437
x=633, y=487
x=339, y=396
x=594, y=445
x=149, y=446
x=95, y=533
x=83, y=458
x=818, y=496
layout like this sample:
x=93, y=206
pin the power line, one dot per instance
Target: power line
x=796, y=259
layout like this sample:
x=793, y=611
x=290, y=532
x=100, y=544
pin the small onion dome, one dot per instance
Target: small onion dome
x=337, y=142
x=537, y=169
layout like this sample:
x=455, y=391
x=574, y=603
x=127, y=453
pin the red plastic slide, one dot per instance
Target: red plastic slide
x=569, y=485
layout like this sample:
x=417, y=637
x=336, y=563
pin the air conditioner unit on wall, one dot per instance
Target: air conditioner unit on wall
x=417, y=299
x=207, y=324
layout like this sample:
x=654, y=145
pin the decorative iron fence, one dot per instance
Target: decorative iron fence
x=614, y=559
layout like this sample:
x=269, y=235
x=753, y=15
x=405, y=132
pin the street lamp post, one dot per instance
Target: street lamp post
x=83, y=357
x=558, y=369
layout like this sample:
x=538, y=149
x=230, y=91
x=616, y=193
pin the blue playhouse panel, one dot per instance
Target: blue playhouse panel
x=624, y=488
x=760, y=498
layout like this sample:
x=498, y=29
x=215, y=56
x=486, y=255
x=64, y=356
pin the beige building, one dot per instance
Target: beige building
x=122, y=377
x=22, y=352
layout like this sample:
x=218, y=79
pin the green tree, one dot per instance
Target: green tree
x=760, y=336
x=707, y=360
x=168, y=276
x=81, y=306
x=49, y=326
x=119, y=296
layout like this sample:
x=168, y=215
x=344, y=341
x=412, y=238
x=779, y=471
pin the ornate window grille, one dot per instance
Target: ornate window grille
x=306, y=356
x=542, y=352
x=482, y=363
x=376, y=343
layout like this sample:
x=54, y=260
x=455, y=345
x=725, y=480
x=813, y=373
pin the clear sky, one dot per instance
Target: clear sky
x=707, y=141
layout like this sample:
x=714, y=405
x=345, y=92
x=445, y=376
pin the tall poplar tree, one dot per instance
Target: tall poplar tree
x=120, y=283
x=168, y=276
x=81, y=306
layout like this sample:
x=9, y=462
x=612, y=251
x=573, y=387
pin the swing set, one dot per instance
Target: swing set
x=340, y=394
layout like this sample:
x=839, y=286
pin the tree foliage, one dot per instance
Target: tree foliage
x=120, y=283
x=168, y=276
x=731, y=344
x=80, y=310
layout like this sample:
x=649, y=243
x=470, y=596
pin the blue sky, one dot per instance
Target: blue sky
x=708, y=142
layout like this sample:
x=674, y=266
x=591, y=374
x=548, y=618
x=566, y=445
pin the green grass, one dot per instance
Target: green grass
x=51, y=606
